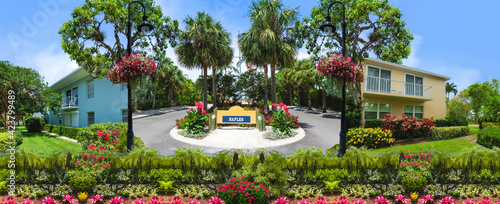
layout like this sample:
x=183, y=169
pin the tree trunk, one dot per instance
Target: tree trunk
x=154, y=95
x=291, y=96
x=309, y=100
x=298, y=97
x=266, y=91
x=214, y=95
x=205, y=87
x=324, y=99
x=273, y=86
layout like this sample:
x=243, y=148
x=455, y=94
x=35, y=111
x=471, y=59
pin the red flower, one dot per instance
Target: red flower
x=114, y=141
x=78, y=163
x=421, y=164
x=106, y=165
x=92, y=147
x=99, y=134
x=106, y=135
x=415, y=163
x=102, y=148
x=402, y=163
x=83, y=164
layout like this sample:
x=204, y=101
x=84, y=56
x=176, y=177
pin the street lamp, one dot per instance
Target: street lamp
x=144, y=28
x=328, y=28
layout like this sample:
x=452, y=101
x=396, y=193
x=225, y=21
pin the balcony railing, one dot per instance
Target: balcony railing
x=377, y=84
x=70, y=102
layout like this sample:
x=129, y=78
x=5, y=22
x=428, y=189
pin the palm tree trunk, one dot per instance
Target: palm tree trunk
x=273, y=85
x=309, y=99
x=205, y=68
x=324, y=99
x=214, y=95
x=266, y=91
x=298, y=97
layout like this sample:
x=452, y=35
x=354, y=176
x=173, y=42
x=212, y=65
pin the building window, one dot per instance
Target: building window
x=378, y=80
x=123, y=87
x=376, y=110
x=414, y=111
x=414, y=85
x=90, y=88
x=90, y=118
x=124, y=115
x=60, y=119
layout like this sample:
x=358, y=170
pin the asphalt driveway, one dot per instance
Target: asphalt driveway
x=321, y=131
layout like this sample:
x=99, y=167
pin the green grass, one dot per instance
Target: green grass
x=46, y=145
x=451, y=146
x=19, y=127
x=474, y=129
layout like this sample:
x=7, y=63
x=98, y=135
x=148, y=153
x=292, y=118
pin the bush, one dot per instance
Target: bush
x=354, y=115
x=56, y=130
x=253, y=193
x=414, y=182
x=4, y=139
x=96, y=133
x=443, y=133
x=407, y=127
x=195, y=121
x=370, y=137
x=373, y=123
x=71, y=132
x=49, y=127
x=35, y=124
x=442, y=123
x=491, y=125
x=489, y=137
x=82, y=183
x=121, y=145
x=282, y=120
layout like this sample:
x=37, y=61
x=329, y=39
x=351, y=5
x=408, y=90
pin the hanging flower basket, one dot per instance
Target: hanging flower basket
x=131, y=67
x=338, y=66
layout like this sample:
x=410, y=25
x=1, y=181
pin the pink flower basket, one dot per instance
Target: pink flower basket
x=131, y=67
x=338, y=66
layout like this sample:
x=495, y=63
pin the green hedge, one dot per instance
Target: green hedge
x=373, y=123
x=49, y=127
x=441, y=123
x=489, y=137
x=443, y=133
x=88, y=134
x=35, y=124
x=71, y=132
x=491, y=125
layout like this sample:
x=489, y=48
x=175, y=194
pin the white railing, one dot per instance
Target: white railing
x=377, y=84
x=71, y=101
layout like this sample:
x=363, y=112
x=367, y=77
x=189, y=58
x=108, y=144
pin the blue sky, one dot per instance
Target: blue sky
x=455, y=38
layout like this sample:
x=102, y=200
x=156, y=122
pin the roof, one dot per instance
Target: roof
x=72, y=77
x=407, y=67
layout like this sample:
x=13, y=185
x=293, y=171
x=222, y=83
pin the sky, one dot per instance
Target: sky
x=454, y=38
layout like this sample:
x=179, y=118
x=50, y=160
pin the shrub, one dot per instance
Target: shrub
x=49, y=127
x=458, y=112
x=5, y=140
x=373, y=123
x=82, y=183
x=35, y=124
x=370, y=137
x=195, y=121
x=240, y=190
x=57, y=130
x=406, y=127
x=442, y=123
x=71, y=132
x=121, y=145
x=353, y=115
x=414, y=182
x=443, y=133
x=489, y=137
x=282, y=120
x=491, y=125
x=116, y=132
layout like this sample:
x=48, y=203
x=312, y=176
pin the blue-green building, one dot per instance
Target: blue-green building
x=88, y=101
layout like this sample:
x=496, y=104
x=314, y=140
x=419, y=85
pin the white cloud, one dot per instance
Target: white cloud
x=412, y=60
x=460, y=76
x=53, y=64
x=302, y=54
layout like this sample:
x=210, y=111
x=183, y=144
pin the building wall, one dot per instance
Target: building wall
x=436, y=107
x=107, y=104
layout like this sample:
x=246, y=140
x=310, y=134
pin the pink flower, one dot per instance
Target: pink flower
x=102, y=148
x=99, y=134
x=106, y=165
x=78, y=163
x=92, y=147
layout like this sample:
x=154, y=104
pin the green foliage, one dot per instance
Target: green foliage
x=251, y=84
x=82, y=182
x=481, y=95
x=491, y=125
x=353, y=115
x=166, y=186
x=332, y=175
x=489, y=137
x=443, y=133
x=57, y=130
x=408, y=127
x=174, y=175
x=272, y=175
x=121, y=143
x=332, y=186
x=230, y=194
x=370, y=137
x=195, y=121
x=458, y=112
x=373, y=123
x=414, y=182
x=49, y=127
x=71, y=132
x=442, y=123
x=34, y=124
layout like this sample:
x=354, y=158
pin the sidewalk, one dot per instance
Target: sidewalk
x=147, y=113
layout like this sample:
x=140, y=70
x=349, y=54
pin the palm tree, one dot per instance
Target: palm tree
x=307, y=76
x=200, y=42
x=450, y=87
x=270, y=20
x=164, y=68
x=224, y=57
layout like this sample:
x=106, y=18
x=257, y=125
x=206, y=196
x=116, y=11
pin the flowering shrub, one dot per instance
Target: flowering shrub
x=195, y=121
x=458, y=112
x=67, y=199
x=341, y=200
x=116, y=200
x=401, y=199
x=415, y=162
x=175, y=200
x=321, y=200
x=282, y=120
x=9, y=200
x=240, y=190
x=381, y=200
x=371, y=137
x=359, y=201
x=27, y=201
x=469, y=201
x=342, y=67
x=414, y=182
x=96, y=199
x=82, y=182
x=48, y=200
x=447, y=200
x=83, y=196
x=304, y=201
x=282, y=200
x=131, y=67
x=215, y=200
x=406, y=127
x=426, y=199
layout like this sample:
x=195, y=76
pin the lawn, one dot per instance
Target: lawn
x=474, y=129
x=451, y=146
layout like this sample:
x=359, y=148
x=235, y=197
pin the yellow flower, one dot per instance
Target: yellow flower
x=82, y=196
x=414, y=196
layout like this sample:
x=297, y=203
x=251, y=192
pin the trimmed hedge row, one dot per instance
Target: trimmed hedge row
x=35, y=124
x=443, y=133
x=373, y=123
x=71, y=132
x=489, y=137
x=491, y=125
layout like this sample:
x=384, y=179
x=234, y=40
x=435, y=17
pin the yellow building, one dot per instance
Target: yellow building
x=398, y=89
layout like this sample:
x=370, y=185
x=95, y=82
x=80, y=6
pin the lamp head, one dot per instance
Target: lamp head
x=328, y=27
x=145, y=27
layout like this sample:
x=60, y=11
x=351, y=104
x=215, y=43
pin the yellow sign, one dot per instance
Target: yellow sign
x=236, y=115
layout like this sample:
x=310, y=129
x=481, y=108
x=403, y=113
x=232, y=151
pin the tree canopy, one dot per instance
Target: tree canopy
x=96, y=36
x=372, y=26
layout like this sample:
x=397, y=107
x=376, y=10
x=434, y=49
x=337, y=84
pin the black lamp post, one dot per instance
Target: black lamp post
x=144, y=27
x=328, y=28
